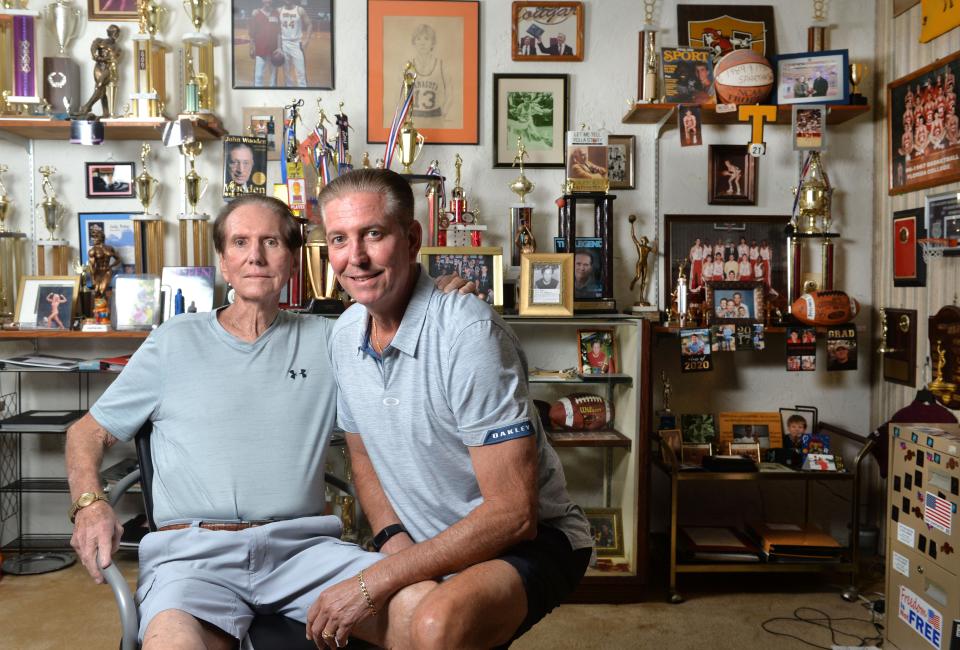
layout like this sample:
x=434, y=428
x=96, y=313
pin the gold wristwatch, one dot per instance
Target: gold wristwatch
x=84, y=500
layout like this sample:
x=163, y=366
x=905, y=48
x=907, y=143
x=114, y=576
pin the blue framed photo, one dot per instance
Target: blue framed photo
x=117, y=229
x=588, y=278
x=813, y=78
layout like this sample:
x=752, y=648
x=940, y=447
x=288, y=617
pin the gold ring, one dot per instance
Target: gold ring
x=325, y=635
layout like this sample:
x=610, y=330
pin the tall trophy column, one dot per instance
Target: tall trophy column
x=194, y=226
x=18, y=59
x=147, y=227
x=149, y=66
x=61, y=74
x=52, y=212
x=198, y=81
x=521, y=213
x=11, y=257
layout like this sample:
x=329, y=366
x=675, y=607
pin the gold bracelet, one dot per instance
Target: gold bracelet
x=366, y=594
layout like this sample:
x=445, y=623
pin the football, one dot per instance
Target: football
x=743, y=77
x=581, y=411
x=824, y=308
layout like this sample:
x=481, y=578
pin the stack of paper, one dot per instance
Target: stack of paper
x=718, y=544
x=41, y=421
x=795, y=543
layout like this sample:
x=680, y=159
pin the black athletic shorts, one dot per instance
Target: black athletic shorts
x=550, y=571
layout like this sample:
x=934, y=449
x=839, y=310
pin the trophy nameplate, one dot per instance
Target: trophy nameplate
x=900, y=362
x=943, y=331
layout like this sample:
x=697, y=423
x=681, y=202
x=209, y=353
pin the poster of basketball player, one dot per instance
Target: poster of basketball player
x=440, y=40
x=282, y=44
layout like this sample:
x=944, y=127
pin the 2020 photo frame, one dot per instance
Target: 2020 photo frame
x=534, y=108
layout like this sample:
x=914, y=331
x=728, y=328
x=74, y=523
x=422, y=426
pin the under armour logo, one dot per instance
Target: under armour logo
x=293, y=373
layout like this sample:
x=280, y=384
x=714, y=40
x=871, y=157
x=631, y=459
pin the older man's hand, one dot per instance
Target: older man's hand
x=451, y=282
x=335, y=613
x=96, y=527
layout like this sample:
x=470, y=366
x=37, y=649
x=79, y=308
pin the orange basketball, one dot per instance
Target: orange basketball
x=743, y=77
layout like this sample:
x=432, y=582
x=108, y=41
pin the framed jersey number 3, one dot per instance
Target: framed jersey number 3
x=441, y=40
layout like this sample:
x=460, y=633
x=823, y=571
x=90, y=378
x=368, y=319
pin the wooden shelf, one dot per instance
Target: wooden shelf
x=46, y=129
x=653, y=113
x=29, y=335
x=605, y=438
x=611, y=378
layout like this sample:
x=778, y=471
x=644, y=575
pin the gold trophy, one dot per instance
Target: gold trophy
x=147, y=227
x=11, y=257
x=521, y=185
x=939, y=387
x=410, y=143
x=52, y=213
x=814, y=197
x=642, y=274
x=815, y=194
x=521, y=214
x=197, y=10
x=197, y=71
x=857, y=72
x=884, y=346
x=323, y=283
x=193, y=225
x=149, y=66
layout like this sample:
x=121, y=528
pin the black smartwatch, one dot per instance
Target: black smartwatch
x=384, y=535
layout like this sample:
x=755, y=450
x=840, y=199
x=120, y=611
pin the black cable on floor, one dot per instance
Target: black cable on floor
x=827, y=622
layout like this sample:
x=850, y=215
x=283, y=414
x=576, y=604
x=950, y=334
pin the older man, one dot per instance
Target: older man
x=240, y=163
x=452, y=466
x=242, y=404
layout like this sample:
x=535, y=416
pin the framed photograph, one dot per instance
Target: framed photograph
x=750, y=428
x=244, y=165
x=117, y=230
x=694, y=453
x=736, y=302
x=546, y=284
x=922, y=127
x=123, y=10
x=281, y=46
x=548, y=31
x=598, y=352
x=809, y=126
x=724, y=28
x=47, y=301
x=813, y=78
x=265, y=122
x=606, y=527
x=942, y=219
x=698, y=428
x=442, y=40
x=670, y=438
x=909, y=268
x=795, y=423
x=711, y=247
x=482, y=265
x=136, y=302
x=621, y=158
x=731, y=175
x=110, y=180
x=749, y=449
x=532, y=108
x=588, y=271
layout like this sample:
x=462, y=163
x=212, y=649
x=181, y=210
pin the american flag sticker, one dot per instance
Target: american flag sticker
x=938, y=513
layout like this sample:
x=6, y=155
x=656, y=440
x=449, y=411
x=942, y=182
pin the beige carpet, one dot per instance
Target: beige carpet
x=65, y=609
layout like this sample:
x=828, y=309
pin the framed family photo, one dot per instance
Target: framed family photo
x=547, y=31
x=598, y=351
x=110, y=180
x=621, y=157
x=482, y=265
x=718, y=248
x=441, y=39
x=546, y=284
x=813, y=78
x=606, y=528
x=731, y=175
x=47, y=301
x=531, y=108
x=276, y=45
x=736, y=302
x=923, y=127
x=122, y=10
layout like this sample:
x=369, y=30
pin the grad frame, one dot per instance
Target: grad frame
x=621, y=158
x=731, y=175
x=110, y=180
x=534, y=108
x=442, y=39
x=748, y=309
x=812, y=78
x=547, y=31
x=468, y=262
x=316, y=53
x=909, y=267
x=546, y=284
x=122, y=10
x=606, y=528
x=47, y=301
x=916, y=158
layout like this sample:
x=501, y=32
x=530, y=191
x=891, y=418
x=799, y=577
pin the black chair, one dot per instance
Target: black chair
x=267, y=632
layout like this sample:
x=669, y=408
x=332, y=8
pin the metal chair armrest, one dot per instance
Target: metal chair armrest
x=126, y=605
x=122, y=486
x=339, y=483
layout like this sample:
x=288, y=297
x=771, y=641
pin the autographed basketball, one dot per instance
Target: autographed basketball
x=743, y=77
x=824, y=308
x=582, y=411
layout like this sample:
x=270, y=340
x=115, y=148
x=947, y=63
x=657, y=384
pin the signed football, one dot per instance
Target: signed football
x=582, y=411
x=824, y=308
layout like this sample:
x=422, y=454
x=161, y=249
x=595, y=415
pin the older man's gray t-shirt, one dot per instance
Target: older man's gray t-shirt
x=239, y=429
x=454, y=377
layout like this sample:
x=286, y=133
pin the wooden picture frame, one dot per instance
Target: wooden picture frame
x=831, y=68
x=541, y=295
x=265, y=122
x=606, y=528
x=735, y=293
x=906, y=164
x=694, y=453
x=532, y=23
x=909, y=267
x=533, y=107
x=446, y=107
x=113, y=10
x=110, y=180
x=682, y=232
x=762, y=427
x=750, y=450
x=438, y=260
x=314, y=61
x=621, y=161
x=723, y=28
x=47, y=301
x=597, y=351
x=731, y=175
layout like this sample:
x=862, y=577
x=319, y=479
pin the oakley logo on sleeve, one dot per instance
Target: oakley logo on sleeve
x=509, y=432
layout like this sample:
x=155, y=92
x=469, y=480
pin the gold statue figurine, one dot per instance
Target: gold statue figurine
x=103, y=259
x=106, y=54
x=938, y=385
x=643, y=252
x=521, y=186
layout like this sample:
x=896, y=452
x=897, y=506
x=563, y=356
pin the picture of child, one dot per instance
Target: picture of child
x=793, y=432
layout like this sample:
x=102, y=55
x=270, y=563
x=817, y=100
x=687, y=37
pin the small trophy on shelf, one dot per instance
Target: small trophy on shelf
x=857, y=73
x=198, y=79
x=51, y=212
x=458, y=225
x=410, y=142
x=149, y=65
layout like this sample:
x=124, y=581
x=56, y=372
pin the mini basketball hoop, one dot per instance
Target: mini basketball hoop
x=933, y=247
